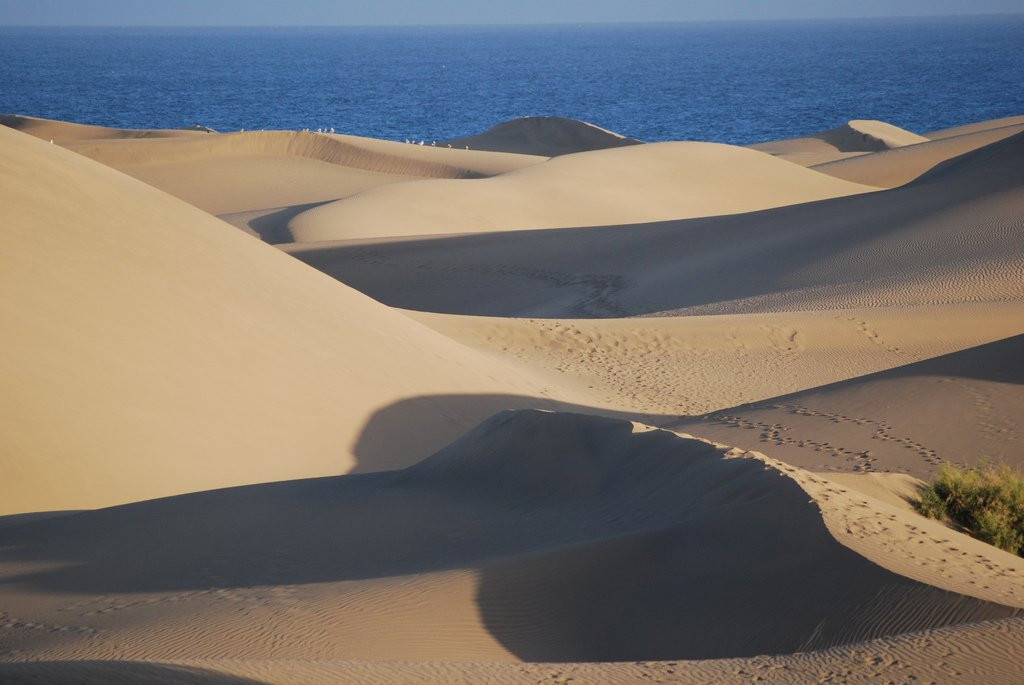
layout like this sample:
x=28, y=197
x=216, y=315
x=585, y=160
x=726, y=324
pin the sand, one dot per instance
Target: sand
x=599, y=412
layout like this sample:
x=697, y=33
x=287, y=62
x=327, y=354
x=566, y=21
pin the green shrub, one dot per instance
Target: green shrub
x=987, y=500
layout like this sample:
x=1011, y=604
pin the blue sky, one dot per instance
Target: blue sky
x=373, y=12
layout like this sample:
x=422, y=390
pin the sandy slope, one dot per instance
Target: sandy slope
x=651, y=182
x=667, y=366
x=547, y=136
x=853, y=138
x=521, y=540
x=151, y=349
x=952, y=235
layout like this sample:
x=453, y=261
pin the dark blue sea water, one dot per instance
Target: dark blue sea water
x=733, y=82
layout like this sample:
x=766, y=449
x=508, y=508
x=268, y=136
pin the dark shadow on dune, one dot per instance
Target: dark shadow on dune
x=379, y=445
x=272, y=227
x=691, y=264
x=594, y=543
x=544, y=135
x=743, y=577
x=112, y=672
x=384, y=438
x=12, y=520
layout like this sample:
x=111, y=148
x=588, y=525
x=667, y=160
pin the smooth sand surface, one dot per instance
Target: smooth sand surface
x=151, y=349
x=641, y=183
x=857, y=340
x=547, y=136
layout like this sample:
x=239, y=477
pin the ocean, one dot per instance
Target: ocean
x=732, y=82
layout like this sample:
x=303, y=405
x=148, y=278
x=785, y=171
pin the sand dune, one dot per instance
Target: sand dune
x=258, y=180
x=652, y=182
x=952, y=235
x=237, y=172
x=151, y=349
x=897, y=166
x=858, y=339
x=853, y=138
x=521, y=540
x=961, y=407
x=547, y=136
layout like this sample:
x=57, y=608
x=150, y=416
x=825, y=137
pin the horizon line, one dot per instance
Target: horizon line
x=954, y=15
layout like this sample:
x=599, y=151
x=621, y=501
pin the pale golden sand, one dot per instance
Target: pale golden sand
x=856, y=338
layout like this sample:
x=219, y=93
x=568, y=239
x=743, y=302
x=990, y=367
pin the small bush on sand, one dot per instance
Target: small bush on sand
x=987, y=500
